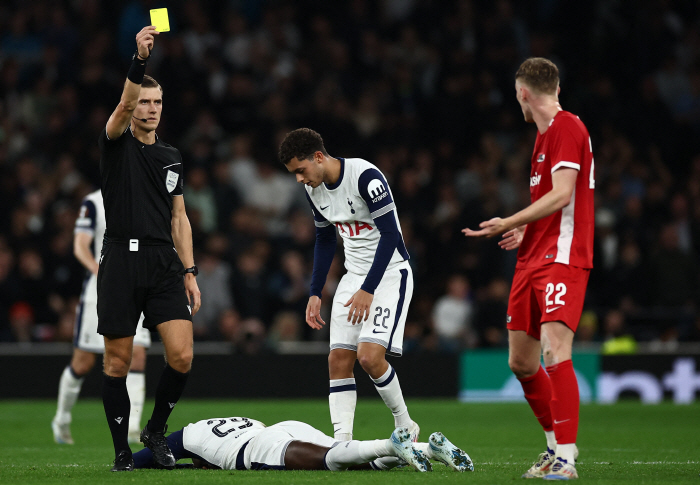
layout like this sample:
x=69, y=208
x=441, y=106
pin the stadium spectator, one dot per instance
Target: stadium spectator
x=453, y=314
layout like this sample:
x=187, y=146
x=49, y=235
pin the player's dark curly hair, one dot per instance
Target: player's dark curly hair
x=301, y=144
x=539, y=74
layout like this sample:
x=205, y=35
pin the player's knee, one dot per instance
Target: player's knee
x=82, y=364
x=181, y=361
x=116, y=367
x=521, y=368
x=371, y=364
x=340, y=362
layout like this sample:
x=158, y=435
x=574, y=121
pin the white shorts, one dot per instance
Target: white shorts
x=85, y=336
x=387, y=317
x=266, y=450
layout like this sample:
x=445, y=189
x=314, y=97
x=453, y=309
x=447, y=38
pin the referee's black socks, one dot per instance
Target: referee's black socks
x=168, y=392
x=115, y=399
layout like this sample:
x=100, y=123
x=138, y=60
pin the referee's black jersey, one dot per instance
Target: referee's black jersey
x=138, y=185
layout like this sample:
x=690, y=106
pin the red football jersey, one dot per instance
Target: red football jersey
x=567, y=235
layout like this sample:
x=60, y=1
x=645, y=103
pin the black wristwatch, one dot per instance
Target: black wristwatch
x=194, y=270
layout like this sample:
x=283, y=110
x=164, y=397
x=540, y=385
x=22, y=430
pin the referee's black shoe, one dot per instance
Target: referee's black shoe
x=155, y=441
x=124, y=462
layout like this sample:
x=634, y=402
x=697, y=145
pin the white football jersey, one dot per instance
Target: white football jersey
x=360, y=195
x=218, y=440
x=92, y=220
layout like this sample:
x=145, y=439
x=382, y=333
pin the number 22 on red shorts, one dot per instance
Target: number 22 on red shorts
x=551, y=293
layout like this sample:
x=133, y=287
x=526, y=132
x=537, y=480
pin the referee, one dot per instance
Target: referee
x=148, y=245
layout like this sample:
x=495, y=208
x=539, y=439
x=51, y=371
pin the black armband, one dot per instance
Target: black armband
x=137, y=69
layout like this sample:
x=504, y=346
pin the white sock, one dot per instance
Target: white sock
x=349, y=453
x=68, y=389
x=342, y=400
x=389, y=389
x=551, y=440
x=567, y=452
x=136, y=386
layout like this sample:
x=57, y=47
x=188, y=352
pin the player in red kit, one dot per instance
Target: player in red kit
x=554, y=237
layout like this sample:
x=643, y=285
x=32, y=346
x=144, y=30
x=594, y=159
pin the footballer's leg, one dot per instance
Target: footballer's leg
x=68, y=390
x=177, y=341
x=382, y=334
x=316, y=454
x=342, y=396
x=373, y=361
x=557, y=340
x=136, y=387
x=115, y=398
x=524, y=361
x=524, y=351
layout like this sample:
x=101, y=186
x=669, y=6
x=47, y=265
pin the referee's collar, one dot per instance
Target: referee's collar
x=134, y=137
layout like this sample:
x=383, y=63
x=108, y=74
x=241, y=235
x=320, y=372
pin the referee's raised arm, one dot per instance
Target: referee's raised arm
x=122, y=115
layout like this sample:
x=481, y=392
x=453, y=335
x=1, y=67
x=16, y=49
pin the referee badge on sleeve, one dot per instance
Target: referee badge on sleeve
x=171, y=180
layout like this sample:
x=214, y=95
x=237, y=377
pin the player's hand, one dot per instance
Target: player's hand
x=489, y=228
x=145, y=39
x=194, y=296
x=313, y=313
x=512, y=239
x=360, y=301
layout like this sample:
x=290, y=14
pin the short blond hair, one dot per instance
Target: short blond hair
x=539, y=74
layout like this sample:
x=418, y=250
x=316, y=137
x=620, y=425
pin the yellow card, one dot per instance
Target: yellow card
x=159, y=18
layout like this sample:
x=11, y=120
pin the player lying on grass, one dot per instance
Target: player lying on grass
x=247, y=444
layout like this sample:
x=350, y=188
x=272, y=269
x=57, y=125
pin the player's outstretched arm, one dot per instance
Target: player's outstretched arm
x=563, y=184
x=121, y=117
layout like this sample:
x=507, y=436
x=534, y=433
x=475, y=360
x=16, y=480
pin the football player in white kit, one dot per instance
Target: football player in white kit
x=353, y=196
x=88, y=235
x=247, y=444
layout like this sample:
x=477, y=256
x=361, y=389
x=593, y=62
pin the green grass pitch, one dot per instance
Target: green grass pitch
x=628, y=443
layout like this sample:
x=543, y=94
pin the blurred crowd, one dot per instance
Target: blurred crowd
x=424, y=89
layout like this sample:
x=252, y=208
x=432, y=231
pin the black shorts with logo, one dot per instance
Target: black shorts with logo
x=149, y=280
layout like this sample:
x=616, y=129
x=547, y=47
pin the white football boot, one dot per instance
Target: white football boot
x=61, y=433
x=448, y=454
x=562, y=470
x=401, y=441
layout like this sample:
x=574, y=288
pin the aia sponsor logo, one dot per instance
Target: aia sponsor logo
x=535, y=180
x=353, y=228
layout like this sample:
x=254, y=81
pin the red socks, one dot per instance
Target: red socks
x=538, y=392
x=565, y=401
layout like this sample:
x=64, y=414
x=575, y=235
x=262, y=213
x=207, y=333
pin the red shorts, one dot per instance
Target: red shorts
x=551, y=293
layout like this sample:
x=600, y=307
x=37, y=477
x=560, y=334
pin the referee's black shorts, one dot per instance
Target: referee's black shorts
x=149, y=280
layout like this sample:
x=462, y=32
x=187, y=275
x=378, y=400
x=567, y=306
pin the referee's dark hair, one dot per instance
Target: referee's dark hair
x=301, y=144
x=149, y=82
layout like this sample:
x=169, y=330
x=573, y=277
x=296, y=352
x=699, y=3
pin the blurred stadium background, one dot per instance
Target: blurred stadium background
x=423, y=89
